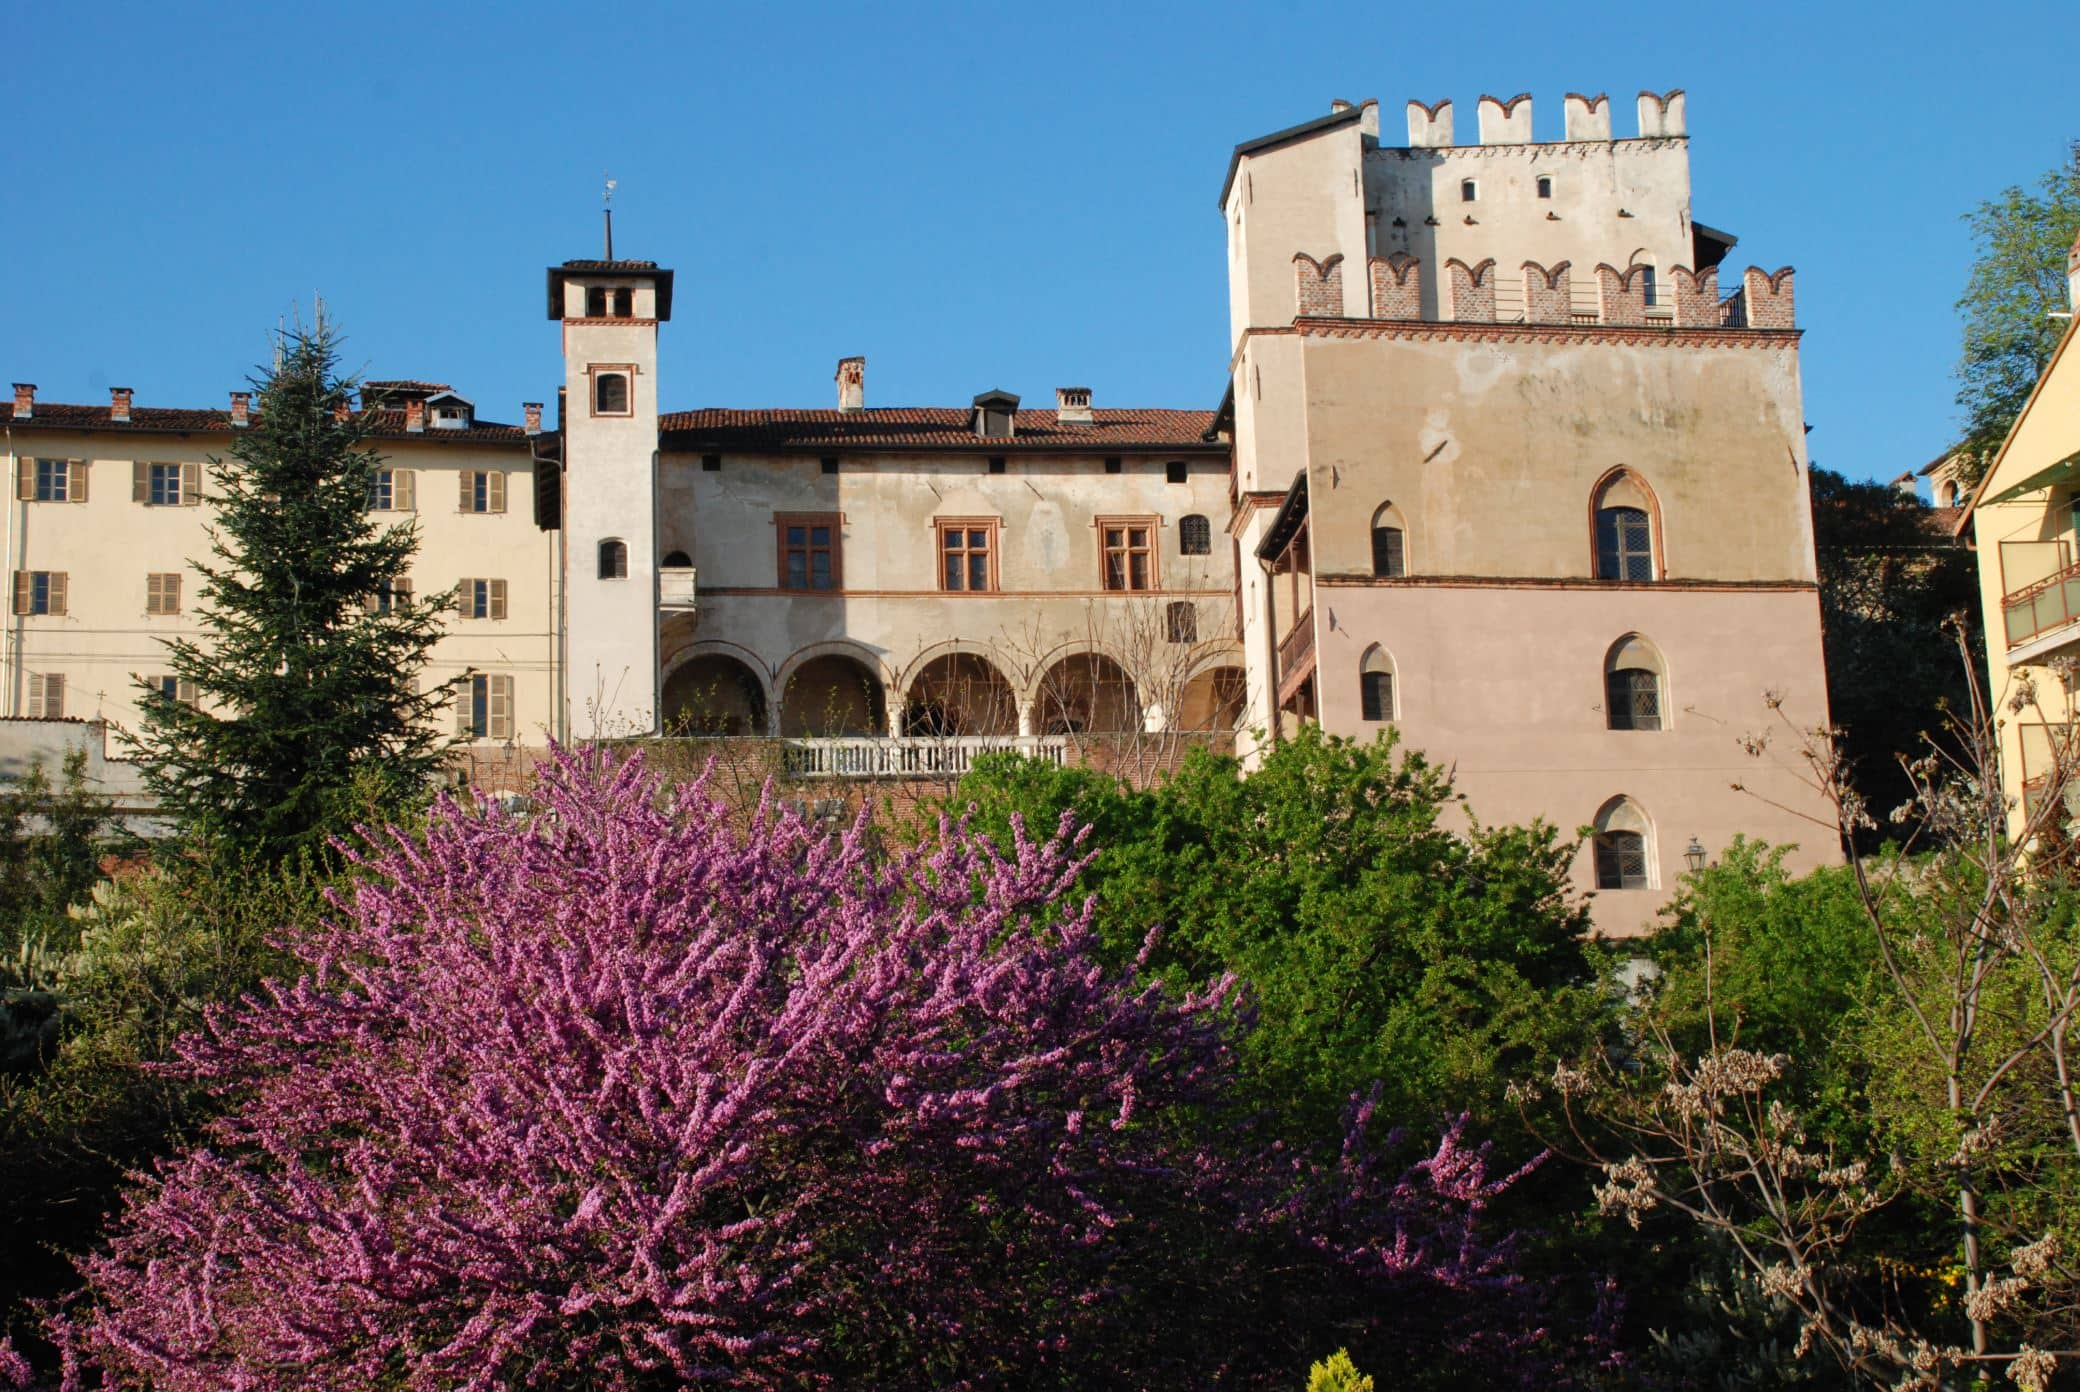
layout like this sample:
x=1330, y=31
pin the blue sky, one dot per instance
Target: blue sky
x=971, y=198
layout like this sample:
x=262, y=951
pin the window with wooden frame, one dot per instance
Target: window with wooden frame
x=968, y=554
x=1376, y=686
x=610, y=391
x=40, y=592
x=1126, y=553
x=811, y=550
x=1194, y=535
x=173, y=688
x=391, y=490
x=481, y=599
x=51, y=481
x=162, y=592
x=1624, y=544
x=46, y=696
x=166, y=485
x=484, y=708
x=483, y=490
x=390, y=596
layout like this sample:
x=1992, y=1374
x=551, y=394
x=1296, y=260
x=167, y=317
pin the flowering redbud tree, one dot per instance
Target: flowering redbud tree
x=618, y=1095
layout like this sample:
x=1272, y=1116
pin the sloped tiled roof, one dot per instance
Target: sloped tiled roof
x=932, y=427
x=167, y=420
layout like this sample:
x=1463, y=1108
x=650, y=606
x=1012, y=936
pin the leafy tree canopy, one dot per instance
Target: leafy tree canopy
x=2017, y=280
x=1381, y=945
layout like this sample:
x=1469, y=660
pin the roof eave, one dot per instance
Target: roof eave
x=1283, y=137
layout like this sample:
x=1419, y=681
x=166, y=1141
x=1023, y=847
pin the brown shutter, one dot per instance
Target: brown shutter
x=184, y=691
x=76, y=481
x=191, y=484
x=53, y=696
x=24, y=589
x=495, y=492
x=498, y=599
x=500, y=714
x=467, y=477
x=172, y=585
x=401, y=590
x=140, y=482
x=25, y=479
x=401, y=490
x=463, y=690
x=57, y=592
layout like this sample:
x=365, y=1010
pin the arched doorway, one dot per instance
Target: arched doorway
x=1086, y=694
x=714, y=694
x=1212, y=700
x=960, y=694
x=832, y=696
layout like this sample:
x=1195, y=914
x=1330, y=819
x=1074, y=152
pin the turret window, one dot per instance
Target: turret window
x=1468, y=190
x=1545, y=186
x=610, y=394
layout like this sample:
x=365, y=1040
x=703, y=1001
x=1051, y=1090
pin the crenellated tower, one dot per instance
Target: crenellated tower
x=610, y=311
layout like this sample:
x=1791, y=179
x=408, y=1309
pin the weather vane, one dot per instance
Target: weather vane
x=606, y=202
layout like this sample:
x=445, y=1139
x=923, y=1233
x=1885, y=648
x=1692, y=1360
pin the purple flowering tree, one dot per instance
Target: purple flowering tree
x=618, y=1095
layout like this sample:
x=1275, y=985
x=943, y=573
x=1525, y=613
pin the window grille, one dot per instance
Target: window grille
x=1621, y=860
x=1632, y=699
x=1194, y=535
x=1624, y=544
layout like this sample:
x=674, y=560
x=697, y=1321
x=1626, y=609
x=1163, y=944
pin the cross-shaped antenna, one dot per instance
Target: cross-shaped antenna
x=606, y=201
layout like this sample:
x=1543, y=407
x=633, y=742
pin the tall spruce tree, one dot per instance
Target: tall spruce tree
x=307, y=676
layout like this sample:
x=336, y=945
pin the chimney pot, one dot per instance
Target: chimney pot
x=24, y=400
x=241, y=409
x=415, y=415
x=1072, y=405
x=534, y=416
x=852, y=384
x=119, y=404
x=340, y=412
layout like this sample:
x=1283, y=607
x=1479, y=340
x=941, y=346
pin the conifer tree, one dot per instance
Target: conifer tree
x=307, y=677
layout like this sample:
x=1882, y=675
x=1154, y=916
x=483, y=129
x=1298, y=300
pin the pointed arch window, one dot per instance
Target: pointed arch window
x=1624, y=846
x=1635, y=685
x=1376, y=685
x=1626, y=544
x=1389, y=543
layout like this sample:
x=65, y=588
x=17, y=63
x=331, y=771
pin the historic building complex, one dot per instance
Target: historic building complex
x=1501, y=464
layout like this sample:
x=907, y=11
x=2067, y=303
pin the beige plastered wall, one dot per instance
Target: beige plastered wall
x=107, y=545
x=891, y=614
x=2015, y=546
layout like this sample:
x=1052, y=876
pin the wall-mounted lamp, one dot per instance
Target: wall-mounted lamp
x=1695, y=854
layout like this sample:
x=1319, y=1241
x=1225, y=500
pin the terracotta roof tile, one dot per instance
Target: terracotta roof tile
x=165, y=420
x=932, y=427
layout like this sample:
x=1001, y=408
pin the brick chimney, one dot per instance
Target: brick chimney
x=533, y=410
x=415, y=415
x=340, y=412
x=24, y=400
x=852, y=384
x=1072, y=405
x=241, y=409
x=119, y=405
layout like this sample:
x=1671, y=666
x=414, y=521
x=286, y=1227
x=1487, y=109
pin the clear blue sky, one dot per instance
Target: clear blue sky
x=971, y=199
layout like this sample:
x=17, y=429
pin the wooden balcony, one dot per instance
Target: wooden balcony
x=1296, y=655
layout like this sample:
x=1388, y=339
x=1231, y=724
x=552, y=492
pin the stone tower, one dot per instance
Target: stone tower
x=610, y=311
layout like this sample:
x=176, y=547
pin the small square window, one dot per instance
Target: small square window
x=1175, y=471
x=1112, y=464
x=830, y=464
x=1468, y=190
x=996, y=463
x=1545, y=186
x=1181, y=621
x=711, y=463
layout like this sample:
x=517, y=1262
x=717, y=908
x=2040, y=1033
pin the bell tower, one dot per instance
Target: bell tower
x=610, y=311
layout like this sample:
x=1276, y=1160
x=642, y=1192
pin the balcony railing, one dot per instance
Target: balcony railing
x=2037, y=609
x=675, y=588
x=911, y=757
x=1294, y=648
